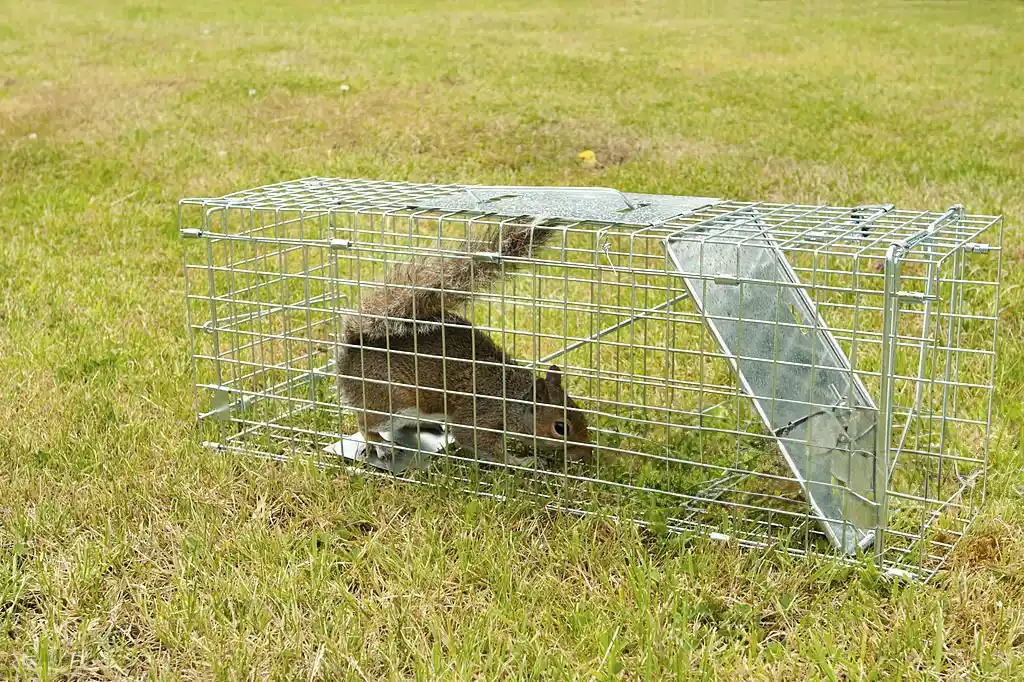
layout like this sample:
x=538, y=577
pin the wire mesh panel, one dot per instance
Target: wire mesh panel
x=814, y=377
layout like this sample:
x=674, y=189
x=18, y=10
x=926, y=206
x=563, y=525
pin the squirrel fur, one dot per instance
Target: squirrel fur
x=404, y=354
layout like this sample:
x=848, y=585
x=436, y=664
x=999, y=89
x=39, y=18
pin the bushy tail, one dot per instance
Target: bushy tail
x=428, y=288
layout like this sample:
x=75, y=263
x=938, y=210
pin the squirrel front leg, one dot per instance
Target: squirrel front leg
x=368, y=426
x=482, y=435
x=487, y=438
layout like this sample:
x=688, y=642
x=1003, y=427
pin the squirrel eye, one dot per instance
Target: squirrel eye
x=560, y=428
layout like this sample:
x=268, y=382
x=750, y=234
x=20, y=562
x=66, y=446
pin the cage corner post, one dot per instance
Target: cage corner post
x=337, y=246
x=883, y=445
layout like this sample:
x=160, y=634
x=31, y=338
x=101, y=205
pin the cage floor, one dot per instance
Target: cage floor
x=721, y=507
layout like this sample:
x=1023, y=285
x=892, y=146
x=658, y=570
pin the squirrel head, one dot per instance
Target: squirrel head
x=559, y=420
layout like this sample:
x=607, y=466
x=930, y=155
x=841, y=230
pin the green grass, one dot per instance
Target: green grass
x=128, y=551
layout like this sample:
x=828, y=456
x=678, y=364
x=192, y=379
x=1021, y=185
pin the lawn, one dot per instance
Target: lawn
x=129, y=551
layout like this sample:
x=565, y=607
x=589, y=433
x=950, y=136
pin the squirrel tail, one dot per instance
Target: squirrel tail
x=427, y=288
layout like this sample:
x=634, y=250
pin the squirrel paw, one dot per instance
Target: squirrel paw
x=521, y=461
x=384, y=451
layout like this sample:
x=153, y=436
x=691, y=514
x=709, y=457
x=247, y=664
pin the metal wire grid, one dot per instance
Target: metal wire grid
x=863, y=231
x=283, y=263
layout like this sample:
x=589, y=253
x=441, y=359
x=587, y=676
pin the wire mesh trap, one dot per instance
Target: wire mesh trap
x=814, y=377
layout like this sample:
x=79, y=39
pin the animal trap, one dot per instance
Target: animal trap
x=814, y=377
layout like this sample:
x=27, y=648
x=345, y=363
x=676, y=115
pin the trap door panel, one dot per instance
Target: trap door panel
x=592, y=204
x=793, y=370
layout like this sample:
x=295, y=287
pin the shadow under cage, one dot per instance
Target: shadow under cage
x=813, y=377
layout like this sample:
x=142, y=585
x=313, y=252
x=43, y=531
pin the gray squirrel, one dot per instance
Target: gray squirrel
x=404, y=359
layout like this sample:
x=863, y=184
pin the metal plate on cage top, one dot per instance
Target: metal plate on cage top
x=597, y=204
x=792, y=368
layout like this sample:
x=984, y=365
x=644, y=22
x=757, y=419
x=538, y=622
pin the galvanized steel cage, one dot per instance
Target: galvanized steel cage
x=814, y=377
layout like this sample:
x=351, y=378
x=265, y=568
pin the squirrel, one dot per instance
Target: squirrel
x=403, y=357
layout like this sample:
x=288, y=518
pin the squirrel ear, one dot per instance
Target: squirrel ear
x=542, y=391
x=555, y=376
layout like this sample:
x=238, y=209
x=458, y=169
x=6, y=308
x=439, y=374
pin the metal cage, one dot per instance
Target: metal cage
x=816, y=378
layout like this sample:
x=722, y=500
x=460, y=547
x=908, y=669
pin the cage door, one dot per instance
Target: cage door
x=793, y=370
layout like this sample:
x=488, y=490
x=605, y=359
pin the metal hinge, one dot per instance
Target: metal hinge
x=917, y=297
x=190, y=233
x=865, y=211
x=486, y=257
x=339, y=244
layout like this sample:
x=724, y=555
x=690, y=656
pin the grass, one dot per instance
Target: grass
x=127, y=551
